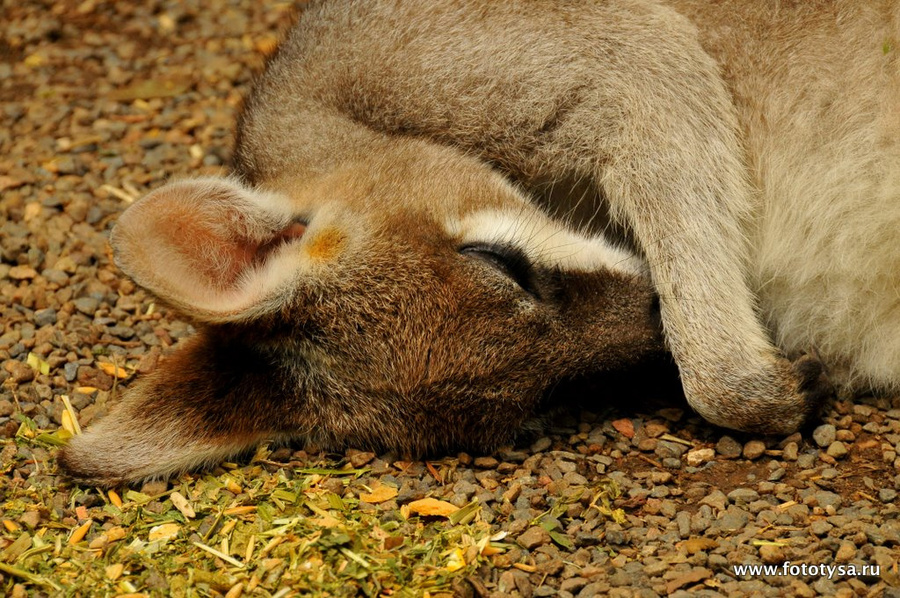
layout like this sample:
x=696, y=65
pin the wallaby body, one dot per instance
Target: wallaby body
x=370, y=275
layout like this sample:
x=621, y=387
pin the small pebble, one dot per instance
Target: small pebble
x=698, y=457
x=668, y=449
x=486, y=462
x=830, y=473
x=790, y=451
x=360, y=458
x=820, y=527
x=123, y=332
x=573, y=584
x=743, y=496
x=18, y=371
x=70, y=371
x=837, y=450
x=776, y=474
x=86, y=305
x=44, y=317
x=887, y=495
x=733, y=519
x=824, y=435
x=55, y=276
x=806, y=460
x=533, y=537
x=7, y=408
x=22, y=273
x=729, y=448
x=771, y=554
x=825, y=498
x=754, y=449
x=715, y=499
x=31, y=519
x=845, y=553
x=541, y=445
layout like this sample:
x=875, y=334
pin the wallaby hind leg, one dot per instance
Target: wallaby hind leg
x=184, y=415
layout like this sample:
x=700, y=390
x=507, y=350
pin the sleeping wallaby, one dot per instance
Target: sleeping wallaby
x=440, y=209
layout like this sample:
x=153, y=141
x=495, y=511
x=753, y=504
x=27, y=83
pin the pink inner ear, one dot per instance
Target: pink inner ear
x=222, y=250
x=204, y=246
x=294, y=230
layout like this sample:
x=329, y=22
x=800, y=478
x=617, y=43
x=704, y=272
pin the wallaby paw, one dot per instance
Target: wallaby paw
x=813, y=383
x=775, y=399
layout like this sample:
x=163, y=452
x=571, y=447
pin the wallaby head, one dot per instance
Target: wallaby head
x=411, y=300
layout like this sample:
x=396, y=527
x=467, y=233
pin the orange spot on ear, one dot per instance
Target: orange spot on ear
x=326, y=244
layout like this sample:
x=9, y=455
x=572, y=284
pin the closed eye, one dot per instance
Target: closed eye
x=509, y=260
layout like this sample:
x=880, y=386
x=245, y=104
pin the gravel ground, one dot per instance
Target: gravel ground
x=101, y=102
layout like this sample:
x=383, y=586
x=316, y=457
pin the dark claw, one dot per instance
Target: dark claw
x=814, y=384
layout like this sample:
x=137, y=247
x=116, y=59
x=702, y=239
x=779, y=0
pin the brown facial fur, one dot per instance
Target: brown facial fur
x=401, y=342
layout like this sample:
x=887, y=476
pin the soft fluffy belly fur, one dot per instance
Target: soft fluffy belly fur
x=821, y=118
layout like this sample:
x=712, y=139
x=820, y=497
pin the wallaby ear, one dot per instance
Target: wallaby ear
x=212, y=248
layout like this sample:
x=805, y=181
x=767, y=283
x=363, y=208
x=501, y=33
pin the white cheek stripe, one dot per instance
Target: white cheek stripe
x=545, y=241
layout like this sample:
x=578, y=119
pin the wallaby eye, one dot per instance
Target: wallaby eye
x=509, y=260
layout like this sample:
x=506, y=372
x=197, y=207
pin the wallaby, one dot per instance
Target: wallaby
x=440, y=209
